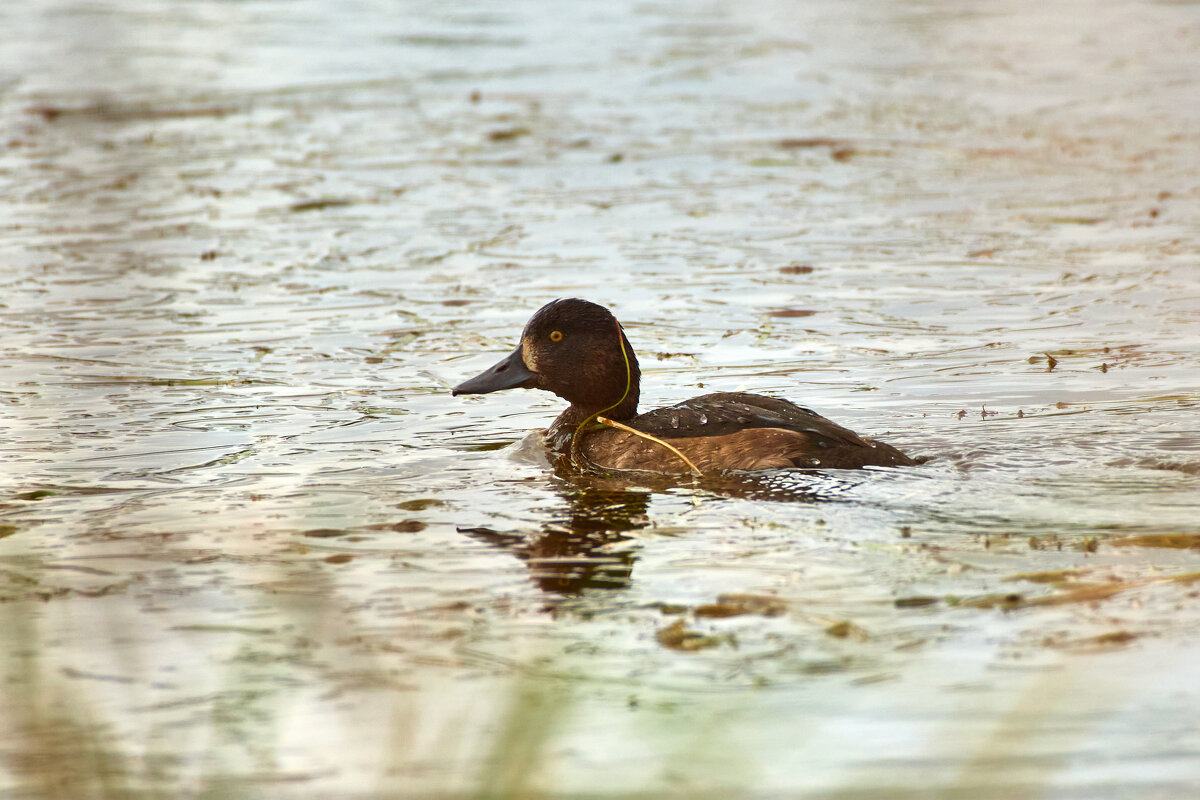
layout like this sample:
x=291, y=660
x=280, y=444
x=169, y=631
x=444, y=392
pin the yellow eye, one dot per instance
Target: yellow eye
x=556, y=336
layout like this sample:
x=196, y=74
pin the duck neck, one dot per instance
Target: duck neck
x=578, y=413
x=628, y=408
x=595, y=397
x=629, y=377
x=561, y=435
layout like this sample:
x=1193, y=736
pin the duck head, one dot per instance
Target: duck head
x=575, y=349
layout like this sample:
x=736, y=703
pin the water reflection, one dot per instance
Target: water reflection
x=588, y=544
x=787, y=485
x=585, y=546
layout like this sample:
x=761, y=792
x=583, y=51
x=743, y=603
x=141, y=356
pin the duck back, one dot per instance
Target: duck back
x=729, y=431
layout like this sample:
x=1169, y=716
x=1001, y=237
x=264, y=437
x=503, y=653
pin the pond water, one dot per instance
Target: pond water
x=250, y=546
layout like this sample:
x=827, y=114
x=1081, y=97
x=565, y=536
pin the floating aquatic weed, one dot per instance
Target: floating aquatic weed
x=1178, y=541
x=320, y=204
x=1076, y=593
x=508, y=134
x=118, y=113
x=676, y=636
x=1100, y=642
x=420, y=504
x=916, y=601
x=325, y=533
x=36, y=494
x=847, y=630
x=734, y=605
x=1050, y=576
x=614, y=424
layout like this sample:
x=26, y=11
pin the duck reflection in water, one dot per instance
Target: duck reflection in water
x=591, y=544
x=586, y=548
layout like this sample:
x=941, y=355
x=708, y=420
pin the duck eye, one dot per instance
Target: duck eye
x=556, y=336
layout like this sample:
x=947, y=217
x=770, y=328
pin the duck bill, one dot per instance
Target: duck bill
x=510, y=373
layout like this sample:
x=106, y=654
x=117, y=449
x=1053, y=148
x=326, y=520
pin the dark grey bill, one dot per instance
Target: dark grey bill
x=511, y=373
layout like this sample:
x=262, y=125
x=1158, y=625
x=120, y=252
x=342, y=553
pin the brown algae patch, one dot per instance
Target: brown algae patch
x=734, y=605
x=1177, y=541
x=1093, y=644
x=1056, y=576
x=1076, y=593
x=677, y=636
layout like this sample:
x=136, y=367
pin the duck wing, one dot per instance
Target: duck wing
x=724, y=413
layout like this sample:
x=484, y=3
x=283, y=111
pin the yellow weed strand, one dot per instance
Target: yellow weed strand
x=614, y=424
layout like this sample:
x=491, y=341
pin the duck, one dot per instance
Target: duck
x=577, y=350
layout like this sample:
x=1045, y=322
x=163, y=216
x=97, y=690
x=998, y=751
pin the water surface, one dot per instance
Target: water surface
x=250, y=546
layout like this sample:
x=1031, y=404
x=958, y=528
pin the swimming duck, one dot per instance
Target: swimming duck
x=578, y=350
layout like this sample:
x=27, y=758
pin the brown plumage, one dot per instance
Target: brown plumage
x=578, y=351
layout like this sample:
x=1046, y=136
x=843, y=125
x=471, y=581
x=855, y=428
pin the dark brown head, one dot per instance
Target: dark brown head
x=575, y=349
